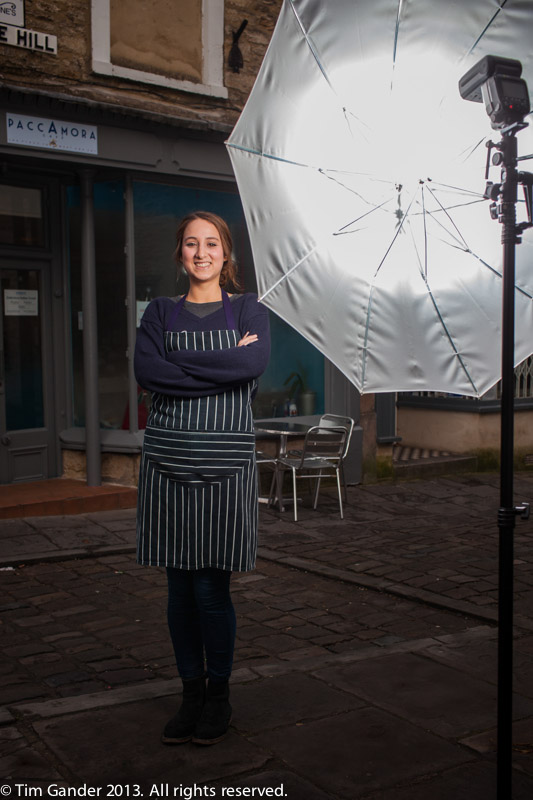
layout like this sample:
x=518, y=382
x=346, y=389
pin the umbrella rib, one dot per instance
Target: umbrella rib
x=370, y=299
x=398, y=231
x=357, y=194
x=262, y=154
x=499, y=274
x=449, y=217
x=450, y=339
x=425, y=276
x=397, y=33
x=287, y=274
x=458, y=189
x=469, y=152
x=461, y=244
x=487, y=26
x=342, y=231
x=311, y=46
x=455, y=205
x=425, y=234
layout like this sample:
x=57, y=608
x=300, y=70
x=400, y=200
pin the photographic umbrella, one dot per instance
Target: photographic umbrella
x=361, y=171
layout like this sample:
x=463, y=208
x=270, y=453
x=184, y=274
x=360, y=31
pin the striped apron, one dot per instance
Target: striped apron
x=197, y=502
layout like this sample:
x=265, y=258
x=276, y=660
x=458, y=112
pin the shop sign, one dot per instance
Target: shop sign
x=12, y=12
x=21, y=302
x=13, y=32
x=51, y=134
x=30, y=40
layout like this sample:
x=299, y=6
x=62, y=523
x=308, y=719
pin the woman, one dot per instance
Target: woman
x=200, y=356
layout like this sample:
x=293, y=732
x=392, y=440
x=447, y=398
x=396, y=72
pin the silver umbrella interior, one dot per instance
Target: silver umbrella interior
x=361, y=172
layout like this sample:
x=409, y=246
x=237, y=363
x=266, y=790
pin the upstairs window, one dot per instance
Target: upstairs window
x=177, y=45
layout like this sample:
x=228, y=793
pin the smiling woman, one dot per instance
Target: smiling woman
x=200, y=355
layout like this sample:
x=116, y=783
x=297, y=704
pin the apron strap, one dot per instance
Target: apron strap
x=226, y=303
x=176, y=313
x=230, y=319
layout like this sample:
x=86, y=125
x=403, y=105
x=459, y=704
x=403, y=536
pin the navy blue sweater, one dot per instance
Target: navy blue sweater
x=198, y=373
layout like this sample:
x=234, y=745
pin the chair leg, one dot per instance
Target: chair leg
x=344, y=483
x=317, y=489
x=272, y=496
x=278, y=497
x=295, y=498
x=340, y=492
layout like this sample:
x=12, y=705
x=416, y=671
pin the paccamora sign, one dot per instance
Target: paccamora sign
x=52, y=134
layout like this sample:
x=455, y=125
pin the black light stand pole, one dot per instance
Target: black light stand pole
x=496, y=81
x=506, y=512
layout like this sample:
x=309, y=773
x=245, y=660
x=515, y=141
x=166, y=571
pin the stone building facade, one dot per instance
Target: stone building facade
x=113, y=117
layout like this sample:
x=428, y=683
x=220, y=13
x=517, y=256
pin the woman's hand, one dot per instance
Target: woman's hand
x=248, y=338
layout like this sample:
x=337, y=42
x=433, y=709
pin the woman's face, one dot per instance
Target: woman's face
x=202, y=253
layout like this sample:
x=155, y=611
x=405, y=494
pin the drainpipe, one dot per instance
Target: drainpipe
x=90, y=332
x=131, y=304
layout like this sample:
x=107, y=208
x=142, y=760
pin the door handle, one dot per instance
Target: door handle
x=6, y=439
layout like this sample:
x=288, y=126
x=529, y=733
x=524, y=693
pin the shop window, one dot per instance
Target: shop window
x=111, y=311
x=21, y=216
x=293, y=383
x=296, y=369
x=179, y=45
x=21, y=295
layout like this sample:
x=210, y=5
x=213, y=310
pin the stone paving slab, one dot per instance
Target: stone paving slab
x=87, y=626
x=365, y=662
x=468, y=782
x=343, y=755
x=429, y=694
x=396, y=537
x=433, y=540
x=134, y=753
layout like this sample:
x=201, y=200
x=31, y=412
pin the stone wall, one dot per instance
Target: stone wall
x=464, y=432
x=69, y=72
x=121, y=468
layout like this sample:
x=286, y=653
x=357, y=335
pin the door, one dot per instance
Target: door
x=27, y=434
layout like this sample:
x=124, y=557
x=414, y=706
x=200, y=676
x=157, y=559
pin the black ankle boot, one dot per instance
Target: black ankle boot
x=216, y=714
x=181, y=727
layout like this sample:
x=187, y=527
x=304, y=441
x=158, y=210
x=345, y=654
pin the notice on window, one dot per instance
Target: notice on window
x=21, y=302
x=141, y=308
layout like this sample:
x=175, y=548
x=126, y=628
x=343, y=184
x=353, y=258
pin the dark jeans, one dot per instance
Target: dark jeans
x=201, y=618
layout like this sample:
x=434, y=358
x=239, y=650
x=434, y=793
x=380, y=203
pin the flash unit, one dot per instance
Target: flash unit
x=496, y=81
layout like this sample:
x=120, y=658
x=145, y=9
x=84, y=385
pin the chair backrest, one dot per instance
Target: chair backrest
x=336, y=420
x=324, y=441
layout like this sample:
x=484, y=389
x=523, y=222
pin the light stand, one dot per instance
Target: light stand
x=497, y=82
x=505, y=211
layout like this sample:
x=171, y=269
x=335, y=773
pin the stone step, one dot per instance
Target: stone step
x=59, y=496
x=416, y=462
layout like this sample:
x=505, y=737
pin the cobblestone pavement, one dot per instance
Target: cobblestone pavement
x=81, y=626
x=434, y=540
x=365, y=663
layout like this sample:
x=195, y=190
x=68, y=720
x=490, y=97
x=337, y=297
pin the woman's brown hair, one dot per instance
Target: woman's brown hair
x=228, y=274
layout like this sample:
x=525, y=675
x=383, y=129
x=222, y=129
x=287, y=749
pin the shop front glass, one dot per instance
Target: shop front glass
x=296, y=369
x=111, y=309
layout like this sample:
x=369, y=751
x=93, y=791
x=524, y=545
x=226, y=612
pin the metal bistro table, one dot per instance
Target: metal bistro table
x=281, y=428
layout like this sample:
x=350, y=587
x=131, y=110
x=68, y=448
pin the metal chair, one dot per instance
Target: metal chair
x=262, y=459
x=321, y=457
x=336, y=420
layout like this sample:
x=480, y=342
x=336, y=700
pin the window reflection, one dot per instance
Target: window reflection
x=21, y=216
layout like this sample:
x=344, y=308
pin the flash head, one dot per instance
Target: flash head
x=496, y=81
